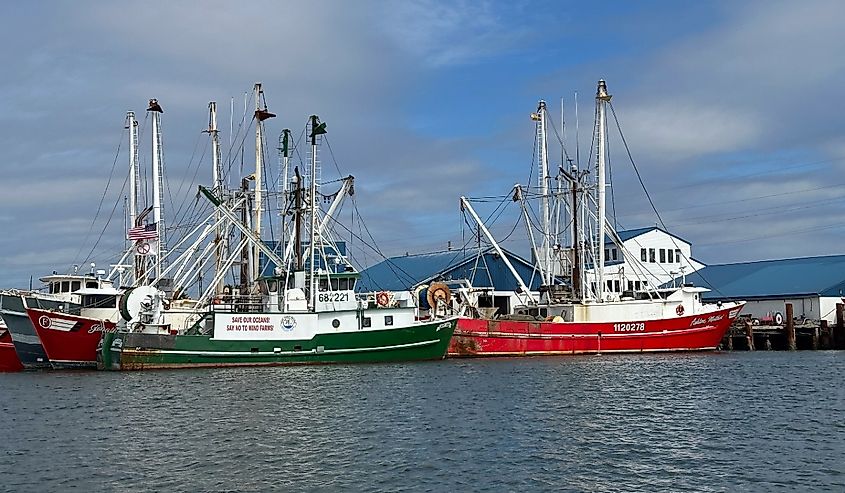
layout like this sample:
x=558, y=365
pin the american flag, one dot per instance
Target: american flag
x=148, y=232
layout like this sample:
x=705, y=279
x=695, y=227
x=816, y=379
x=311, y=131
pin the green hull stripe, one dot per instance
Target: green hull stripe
x=278, y=353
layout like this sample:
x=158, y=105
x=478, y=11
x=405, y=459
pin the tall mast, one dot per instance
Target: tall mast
x=297, y=238
x=544, y=256
x=156, y=111
x=602, y=98
x=217, y=181
x=284, y=153
x=134, y=180
x=317, y=128
x=261, y=114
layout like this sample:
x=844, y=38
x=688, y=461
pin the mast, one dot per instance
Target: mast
x=134, y=181
x=158, y=192
x=261, y=114
x=297, y=238
x=217, y=183
x=544, y=256
x=602, y=98
x=317, y=128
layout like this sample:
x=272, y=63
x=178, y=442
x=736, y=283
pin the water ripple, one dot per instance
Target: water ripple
x=702, y=422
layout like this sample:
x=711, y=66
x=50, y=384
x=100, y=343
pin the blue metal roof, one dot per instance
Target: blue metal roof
x=823, y=276
x=627, y=234
x=405, y=272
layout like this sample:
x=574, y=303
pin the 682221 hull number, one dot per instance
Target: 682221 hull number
x=332, y=297
x=629, y=327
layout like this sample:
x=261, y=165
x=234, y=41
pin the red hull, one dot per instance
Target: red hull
x=475, y=337
x=8, y=357
x=69, y=341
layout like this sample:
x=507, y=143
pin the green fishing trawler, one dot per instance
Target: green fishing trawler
x=295, y=300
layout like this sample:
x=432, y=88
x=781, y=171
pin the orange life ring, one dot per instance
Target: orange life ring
x=382, y=298
x=679, y=310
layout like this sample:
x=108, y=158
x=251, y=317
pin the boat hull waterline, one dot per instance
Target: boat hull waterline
x=70, y=341
x=701, y=332
x=138, y=351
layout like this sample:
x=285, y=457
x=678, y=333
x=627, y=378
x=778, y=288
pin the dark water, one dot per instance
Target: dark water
x=702, y=422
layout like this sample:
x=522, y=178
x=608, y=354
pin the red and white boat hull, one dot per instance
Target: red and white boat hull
x=8, y=356
x=701, y=332
x=71, y=340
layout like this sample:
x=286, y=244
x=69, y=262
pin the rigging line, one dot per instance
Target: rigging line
x=331, y=153
x=108, y=221
x=774, y=235
x=557, y=136
x=648, y=196
x=240, y=148
x=143, y=169
x=103, y=197
x=610, y=180
x=771, y=210
x=758, y=173
x=193, y=179
x=758, y=197
x=390, y=264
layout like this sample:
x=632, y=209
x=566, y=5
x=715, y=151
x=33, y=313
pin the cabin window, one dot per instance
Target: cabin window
x=614, y=254
x=485, y=301
x=637, y=285
x=616, y=286
x=544, y=312
x=607, y=253
x=630, y=285
x=99, y=301
x=643, y=255
x=671, y=255
x=324, y=285
x=351, y=284
x=366, y=322
x=678, y=256
x=388, y=320
x=344, y=284
x=271, y=286
x=609, y=285
x=651, y=255
x=52, y=287
x=91, y=284
x=335, y=284
x=65, y=286
x=75, y=285
x=662, y=255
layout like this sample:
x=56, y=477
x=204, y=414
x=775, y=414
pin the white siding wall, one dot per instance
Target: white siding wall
x=654, y=273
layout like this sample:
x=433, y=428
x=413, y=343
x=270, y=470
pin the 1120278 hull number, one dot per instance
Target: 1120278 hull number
x=629, y=327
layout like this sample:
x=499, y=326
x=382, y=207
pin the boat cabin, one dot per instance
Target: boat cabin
x=69, y=286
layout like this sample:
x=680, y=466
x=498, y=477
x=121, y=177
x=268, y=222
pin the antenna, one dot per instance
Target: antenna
x=577, y=147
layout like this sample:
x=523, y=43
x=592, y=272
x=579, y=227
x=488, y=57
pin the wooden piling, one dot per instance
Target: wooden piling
x=790, y=328
x=825, y=339
x=730, y=340
x=749, y=335
x=839, y=330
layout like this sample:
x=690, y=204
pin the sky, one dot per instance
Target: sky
x=731, y=112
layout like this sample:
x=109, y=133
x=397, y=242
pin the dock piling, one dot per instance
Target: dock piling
x=749, y=335
x=790, y=328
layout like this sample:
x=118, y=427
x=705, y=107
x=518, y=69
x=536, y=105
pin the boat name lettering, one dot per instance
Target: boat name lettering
x=710, y=319
x=629, y=327
x=332, y=297
x=100, y=328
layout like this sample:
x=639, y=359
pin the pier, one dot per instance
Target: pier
x=792, y=335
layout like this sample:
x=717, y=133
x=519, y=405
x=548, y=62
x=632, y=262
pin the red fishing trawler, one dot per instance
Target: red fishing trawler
x=582, y=306
x=70, y=341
